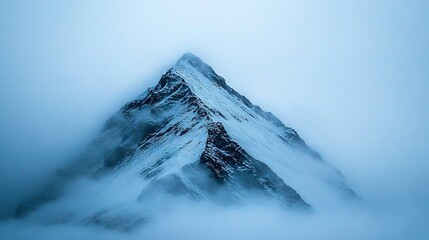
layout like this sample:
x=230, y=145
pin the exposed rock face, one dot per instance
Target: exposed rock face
x=222, y=156
x=230, y=163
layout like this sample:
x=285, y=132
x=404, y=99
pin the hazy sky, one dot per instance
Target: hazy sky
x=352, y=77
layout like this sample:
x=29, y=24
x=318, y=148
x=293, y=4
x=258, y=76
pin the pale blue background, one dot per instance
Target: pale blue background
x=352, y=77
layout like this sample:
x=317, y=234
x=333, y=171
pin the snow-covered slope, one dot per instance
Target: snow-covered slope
x=193, y=136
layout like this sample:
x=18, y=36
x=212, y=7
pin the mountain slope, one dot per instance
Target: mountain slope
x=193, y=136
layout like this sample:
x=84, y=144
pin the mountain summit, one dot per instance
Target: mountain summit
x=192, y=136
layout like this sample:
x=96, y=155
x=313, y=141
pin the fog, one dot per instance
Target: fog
x=350, y=76
x=251, y=222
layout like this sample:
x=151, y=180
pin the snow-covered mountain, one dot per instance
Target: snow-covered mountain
x=192, y=136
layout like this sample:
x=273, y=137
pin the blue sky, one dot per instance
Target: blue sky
x=352, y=77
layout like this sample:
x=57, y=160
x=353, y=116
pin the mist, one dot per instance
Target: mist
x=350, y=76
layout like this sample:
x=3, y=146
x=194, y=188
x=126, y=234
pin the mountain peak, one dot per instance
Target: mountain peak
x=194, y=136
x=190, y=62
x=189, y=57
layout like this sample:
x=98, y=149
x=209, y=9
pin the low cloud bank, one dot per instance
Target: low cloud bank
x=201, y=220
